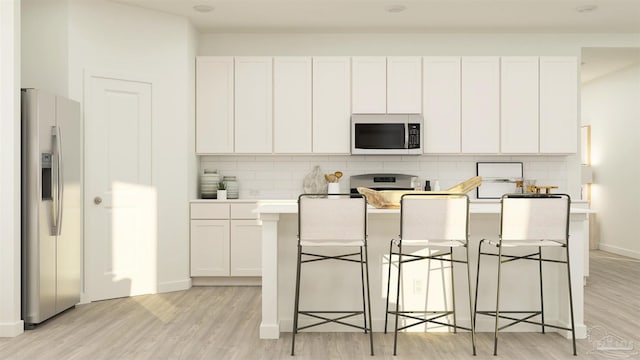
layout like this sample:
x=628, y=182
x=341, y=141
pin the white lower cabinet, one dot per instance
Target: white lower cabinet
x=209, y=247
x=225, y=240
x=245, y=245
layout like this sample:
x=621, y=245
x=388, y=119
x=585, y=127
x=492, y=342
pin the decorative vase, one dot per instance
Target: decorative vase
x=222, y=194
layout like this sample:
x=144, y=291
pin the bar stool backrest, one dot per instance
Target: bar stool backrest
x=434, y=217
x=332, y=221
x=535, y=217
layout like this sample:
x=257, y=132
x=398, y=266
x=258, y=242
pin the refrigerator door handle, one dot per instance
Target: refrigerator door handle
x=59, y=180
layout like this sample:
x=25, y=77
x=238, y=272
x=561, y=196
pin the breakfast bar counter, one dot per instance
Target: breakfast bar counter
x=279, y=249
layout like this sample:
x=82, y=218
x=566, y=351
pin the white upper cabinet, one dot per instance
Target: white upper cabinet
x=480, y=104
x=441, y=104
x=331, y=105
x=292, y=105
x=214, y=104
x=558, y=104
x=519, y=105
x=404, y=85
x=369, y=80
x=253, y=105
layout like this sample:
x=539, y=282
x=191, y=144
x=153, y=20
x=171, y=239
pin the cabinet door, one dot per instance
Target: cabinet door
x=519, y=105
x=209, y=247
x=331, y=105
x=441, y=104
x=369, y=79
x=214, y=104
x=480, y=105
x=253, y=105
x=558, y=105
x=292, y=105
x=246, y=248
x=404, y=85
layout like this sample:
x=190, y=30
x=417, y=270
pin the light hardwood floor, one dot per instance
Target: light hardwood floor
x=222, y=323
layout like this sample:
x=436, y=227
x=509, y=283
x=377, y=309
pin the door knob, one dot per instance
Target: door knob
x=97, y=200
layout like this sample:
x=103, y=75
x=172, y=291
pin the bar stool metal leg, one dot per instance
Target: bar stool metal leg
x=386, y=309
x=297, y=302
x=453, y=293
x=495, y=335
x=395, y=334
x=573, y=327
x=471, y=313
x=541, y=291
x=366, y=259
x=364, y=304
x=475, y=303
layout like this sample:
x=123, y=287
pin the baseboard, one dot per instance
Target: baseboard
x=170, y=286
x=619, y=251
x=227, y=281
x=11, y=329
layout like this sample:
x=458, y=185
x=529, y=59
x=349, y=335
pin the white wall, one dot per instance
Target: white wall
x=611, y=106
x=10, y=323
x=120, y=40
x=45, y=45
x=408, y=44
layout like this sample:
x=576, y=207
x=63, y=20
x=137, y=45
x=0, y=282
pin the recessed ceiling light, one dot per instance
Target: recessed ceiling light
x=396, y=8
x=586, y=8
x=203, y=8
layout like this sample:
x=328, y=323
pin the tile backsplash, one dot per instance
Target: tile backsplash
x=281, y=176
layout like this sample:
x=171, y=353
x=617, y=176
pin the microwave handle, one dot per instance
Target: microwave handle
x=406, y=136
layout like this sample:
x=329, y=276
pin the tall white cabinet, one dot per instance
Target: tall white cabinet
x=253, y=105
x=558, y=104
x=519, y=105
x=292, y=105
x=214, y=104
x=480, y=104
x=331, y=105
x=441, y=104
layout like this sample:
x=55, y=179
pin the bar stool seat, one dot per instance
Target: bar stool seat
x=337, y=221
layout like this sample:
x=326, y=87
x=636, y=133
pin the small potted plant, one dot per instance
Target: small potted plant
x=222, y=191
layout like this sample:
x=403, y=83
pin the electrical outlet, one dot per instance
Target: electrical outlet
x=418, y=286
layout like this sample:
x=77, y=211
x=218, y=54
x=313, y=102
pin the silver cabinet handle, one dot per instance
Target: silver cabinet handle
x=97, y=200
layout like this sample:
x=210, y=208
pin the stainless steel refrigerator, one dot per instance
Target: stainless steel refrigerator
x=51, y=205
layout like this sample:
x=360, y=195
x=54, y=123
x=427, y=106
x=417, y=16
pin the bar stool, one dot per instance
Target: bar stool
x=334, y=221
x=437, y=222
x=529, y=221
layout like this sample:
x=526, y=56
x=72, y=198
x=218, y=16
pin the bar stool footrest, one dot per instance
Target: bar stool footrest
x=327, y=320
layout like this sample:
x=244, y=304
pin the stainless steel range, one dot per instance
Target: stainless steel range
x=383, y=182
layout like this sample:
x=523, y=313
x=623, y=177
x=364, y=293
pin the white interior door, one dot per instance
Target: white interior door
x=120, y=202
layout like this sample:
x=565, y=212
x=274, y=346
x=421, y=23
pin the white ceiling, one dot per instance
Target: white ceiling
x=539, y=16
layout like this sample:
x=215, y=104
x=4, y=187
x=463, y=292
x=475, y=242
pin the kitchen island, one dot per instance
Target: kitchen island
x=279, y=249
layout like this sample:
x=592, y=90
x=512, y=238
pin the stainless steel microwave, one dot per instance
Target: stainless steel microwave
x=386, y=134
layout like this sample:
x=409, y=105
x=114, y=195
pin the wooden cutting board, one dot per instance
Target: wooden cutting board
x=390, y=199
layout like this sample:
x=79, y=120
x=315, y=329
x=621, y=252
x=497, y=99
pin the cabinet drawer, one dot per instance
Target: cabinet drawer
x=243, y=211
x=209, y=211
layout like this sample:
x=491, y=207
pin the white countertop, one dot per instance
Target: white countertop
x=483, y=206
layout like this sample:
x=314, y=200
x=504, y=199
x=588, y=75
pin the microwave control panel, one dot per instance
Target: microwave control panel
x=414, y=136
